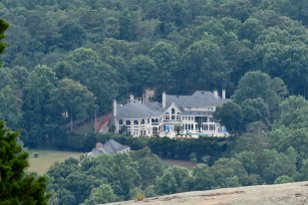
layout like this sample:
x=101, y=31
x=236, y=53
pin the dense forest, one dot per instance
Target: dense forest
x=269, y=146
x=67, y=60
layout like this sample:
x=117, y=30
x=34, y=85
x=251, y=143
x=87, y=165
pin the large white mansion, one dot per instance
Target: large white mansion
x=190, y=115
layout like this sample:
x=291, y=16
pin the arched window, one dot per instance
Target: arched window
x=127, y=122
x=142, y=121
x=136, y=122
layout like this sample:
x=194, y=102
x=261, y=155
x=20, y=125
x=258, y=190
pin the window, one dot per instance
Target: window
x=212, y=127
x=173, y=111
x=136, y=122
x=173, y=117
x=211, y=119
x=205, y=127
x=142, y=121
x=120, y=122
x=127, y=122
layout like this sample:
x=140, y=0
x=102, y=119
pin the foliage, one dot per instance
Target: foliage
x=67, y=60
x=3, y=28
x=256, y=99
x=122, y=47
x=162, y=146
x=17, y=187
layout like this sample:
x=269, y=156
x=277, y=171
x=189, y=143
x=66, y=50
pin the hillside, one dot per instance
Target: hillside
x=283, y=194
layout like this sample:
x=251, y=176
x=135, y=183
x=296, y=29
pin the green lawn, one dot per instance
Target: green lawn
x=46, y=158
x=181, y=163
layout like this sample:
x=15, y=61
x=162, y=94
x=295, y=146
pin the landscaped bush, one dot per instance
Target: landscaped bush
x=162, y=146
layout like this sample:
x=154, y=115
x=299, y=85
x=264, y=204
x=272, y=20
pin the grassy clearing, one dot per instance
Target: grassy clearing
x=181, y=163
x=46, y=158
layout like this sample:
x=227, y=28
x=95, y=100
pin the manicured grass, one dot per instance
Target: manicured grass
x=46, y=158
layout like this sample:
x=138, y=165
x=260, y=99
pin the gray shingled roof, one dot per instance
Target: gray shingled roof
x=156, y=106
x=198, y=99
x=137, y=110
x=113, y=147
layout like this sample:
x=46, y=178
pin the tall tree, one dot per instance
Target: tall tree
x=85, y=66
x=74, y=101
x=38, y=115
x=166, y=58
x=17, y=187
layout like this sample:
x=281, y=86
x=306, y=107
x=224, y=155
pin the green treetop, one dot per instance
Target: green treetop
x=16, y=187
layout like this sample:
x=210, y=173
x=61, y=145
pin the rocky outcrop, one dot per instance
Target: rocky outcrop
x=283, y=194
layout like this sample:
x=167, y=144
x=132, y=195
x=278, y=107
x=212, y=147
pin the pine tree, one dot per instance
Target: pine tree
x=17, y=187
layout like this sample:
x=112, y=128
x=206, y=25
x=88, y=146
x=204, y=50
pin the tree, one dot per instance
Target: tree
x=3, y=27
x=17, y=187
x=101, y=195
x=255, y=110
x=72, y=36
x=74, y=101
x=10, y=106
x=173, y=180
x=149, y=166
x=38, y=119
x=165, y=57
x=143, y=74
x=230, y=115
x=203, y=66
x=85, y=66
x=294, y=112
x=256, y=84
x=283, y=179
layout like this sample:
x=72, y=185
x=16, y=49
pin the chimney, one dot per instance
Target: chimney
x=131, y=98
x=164, y=99
x=223, y=94
x=114, y=112
x=215, y=92
x=148, y=94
